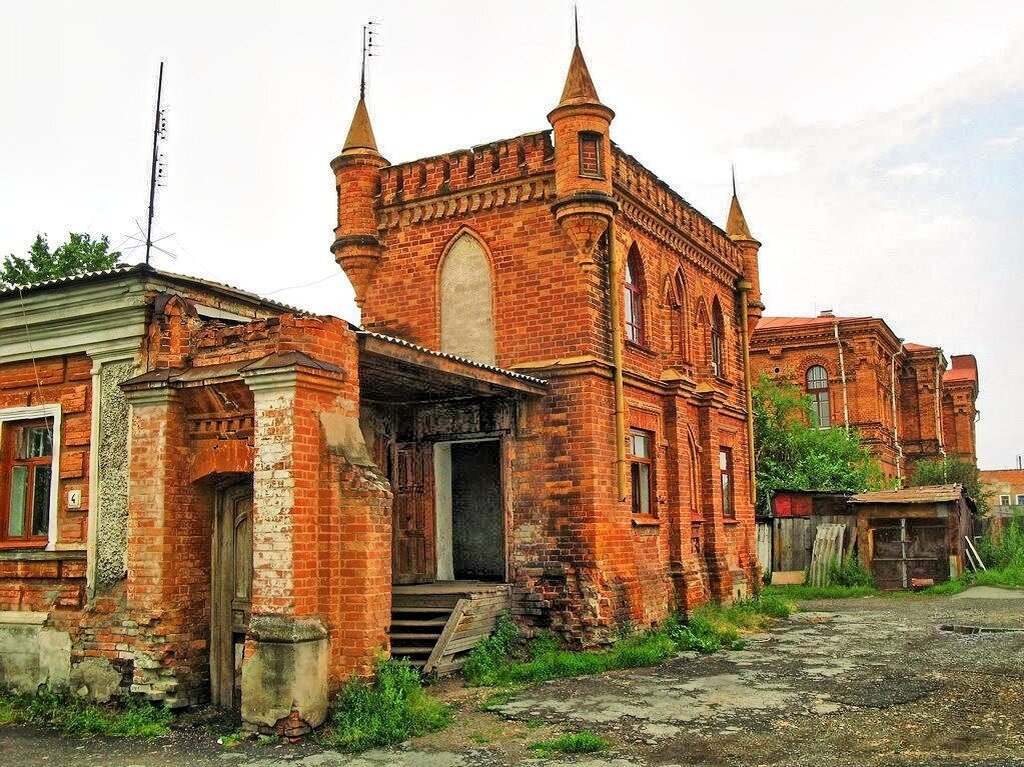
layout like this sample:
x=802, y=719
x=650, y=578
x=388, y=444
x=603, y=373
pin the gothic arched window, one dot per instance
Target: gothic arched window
x=634, y=297
x=717, y=341
x=467, y=302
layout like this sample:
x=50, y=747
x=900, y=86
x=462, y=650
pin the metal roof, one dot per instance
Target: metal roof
x=924, y=494
x=144, y=269
x=453, y=357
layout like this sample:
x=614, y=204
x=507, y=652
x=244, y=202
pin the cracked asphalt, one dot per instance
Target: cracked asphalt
x=867, y=682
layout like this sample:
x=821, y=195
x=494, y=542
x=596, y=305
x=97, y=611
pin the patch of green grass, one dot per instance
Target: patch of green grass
x=60, y=710
x=388, y=710
x=849, y=572
x=573, y=743
x=803, y=592
x=504, y=660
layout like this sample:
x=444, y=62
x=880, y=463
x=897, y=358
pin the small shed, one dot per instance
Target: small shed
x=913, y=534
x=786, y=537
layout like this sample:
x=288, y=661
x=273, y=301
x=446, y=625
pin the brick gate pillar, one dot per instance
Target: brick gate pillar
x=168, y=553
x=320, y=550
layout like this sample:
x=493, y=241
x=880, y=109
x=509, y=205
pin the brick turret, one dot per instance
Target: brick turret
x=357, y=248
x=583, y=160
x=738, y=231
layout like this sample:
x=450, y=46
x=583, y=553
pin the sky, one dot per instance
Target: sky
x=879, y=146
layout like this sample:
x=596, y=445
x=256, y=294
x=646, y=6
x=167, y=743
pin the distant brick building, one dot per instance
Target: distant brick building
x=1003, y=487
x=903, y=399
x=212, y=496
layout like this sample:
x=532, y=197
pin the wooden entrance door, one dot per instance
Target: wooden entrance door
x=231, y=591
x=412, y=542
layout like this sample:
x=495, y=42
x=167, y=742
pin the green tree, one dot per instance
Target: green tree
x=792, y=455
x=78, y=255
x=948, y=470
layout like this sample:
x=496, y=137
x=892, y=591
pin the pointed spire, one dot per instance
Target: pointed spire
x=579, y=87
x=736, y=226
x=360, y=134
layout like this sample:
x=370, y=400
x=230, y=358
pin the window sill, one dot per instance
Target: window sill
x=30, y=544
x=730, y=521
x=645, y=520
x=24, y=553
x=641, y=348
x=696, y=520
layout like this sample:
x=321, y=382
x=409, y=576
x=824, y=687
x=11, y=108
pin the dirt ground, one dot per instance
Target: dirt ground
x=867, y=682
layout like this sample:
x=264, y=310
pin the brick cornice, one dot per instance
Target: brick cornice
x=670, y=235
x=467, y=201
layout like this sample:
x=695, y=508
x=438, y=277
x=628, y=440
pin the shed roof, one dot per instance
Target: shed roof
x=925, y=494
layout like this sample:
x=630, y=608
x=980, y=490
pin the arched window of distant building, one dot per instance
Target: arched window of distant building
x=817, y=388
x=466, y=296
x=633, y=294
x=717, y=341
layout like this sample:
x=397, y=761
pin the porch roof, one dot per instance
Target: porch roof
x=395, y=370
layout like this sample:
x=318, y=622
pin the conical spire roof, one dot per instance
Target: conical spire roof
x=360, y=134
x=579, y=87
x=736, y=227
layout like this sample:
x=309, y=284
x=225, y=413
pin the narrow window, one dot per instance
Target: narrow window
x=27, y=464
x=590, y=155
x=678, y=318
x=634, y=298
x=640, y=467
x=717, y=344
x=817, y=389
x=1004, y=500
x=1020, y=500
x=725, y=467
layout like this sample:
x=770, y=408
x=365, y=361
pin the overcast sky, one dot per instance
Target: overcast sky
x=879, y=145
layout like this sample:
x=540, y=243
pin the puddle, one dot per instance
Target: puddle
x=957, y=628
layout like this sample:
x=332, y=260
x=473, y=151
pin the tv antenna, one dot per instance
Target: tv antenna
x=159, y=166
x=368, y=52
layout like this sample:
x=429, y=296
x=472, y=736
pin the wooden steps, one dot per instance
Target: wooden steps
x=436, y=625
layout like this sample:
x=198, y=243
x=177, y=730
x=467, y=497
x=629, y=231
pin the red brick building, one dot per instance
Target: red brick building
x=209, y=495
x=907, y=403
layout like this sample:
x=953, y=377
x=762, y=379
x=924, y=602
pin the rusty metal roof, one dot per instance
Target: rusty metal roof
x=924, y=494
x=766, y=323
x=454, y=358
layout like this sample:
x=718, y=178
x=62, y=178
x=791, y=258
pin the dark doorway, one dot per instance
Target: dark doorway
x=478, y=520
x=231, y=591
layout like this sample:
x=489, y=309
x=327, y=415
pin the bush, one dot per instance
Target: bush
x=388, y=710
x=574, y=743
x=59, y=709
x=488, y=658
x=848, y=572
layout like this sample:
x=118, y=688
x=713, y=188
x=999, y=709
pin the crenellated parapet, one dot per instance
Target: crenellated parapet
x=631, y=178
x=497, y=164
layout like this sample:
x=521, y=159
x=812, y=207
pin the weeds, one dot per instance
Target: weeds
x=573, y=743
x=803, y=592
x=848, y=572
x=59, y=709
x=390, y=709
x=504, y=660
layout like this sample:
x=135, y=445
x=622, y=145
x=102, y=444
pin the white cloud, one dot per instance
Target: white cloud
x=1007, y=142
x=917, y=170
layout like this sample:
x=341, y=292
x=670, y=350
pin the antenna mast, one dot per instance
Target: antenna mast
x=158, y=131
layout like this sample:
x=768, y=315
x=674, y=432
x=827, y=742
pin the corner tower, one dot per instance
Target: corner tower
x=738, y=231
x=357, y=247
x=583, y=174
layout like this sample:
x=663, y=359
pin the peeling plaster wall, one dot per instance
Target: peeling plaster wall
x=112, y=525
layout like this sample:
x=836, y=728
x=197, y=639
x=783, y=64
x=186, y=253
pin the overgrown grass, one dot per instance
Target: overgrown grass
x=800, y=593
x=848, y=572
x=387, y=710
x=573, y=743
x=503, y=660
x=60, y=710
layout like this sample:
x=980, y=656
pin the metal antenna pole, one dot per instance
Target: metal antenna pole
x=152, y=174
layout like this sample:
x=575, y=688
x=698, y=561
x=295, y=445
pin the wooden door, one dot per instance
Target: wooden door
x=413, y=557
x=232, y=593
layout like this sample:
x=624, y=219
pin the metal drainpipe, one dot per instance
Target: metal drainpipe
x=895, y=419
x=744, y=286
x=842, y=376
x=938, y=415
x=614, y=297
